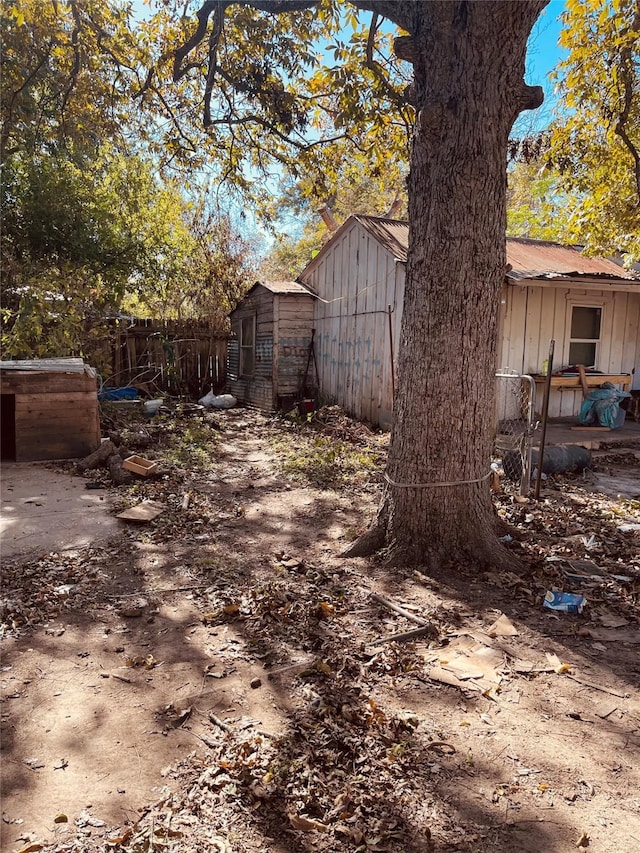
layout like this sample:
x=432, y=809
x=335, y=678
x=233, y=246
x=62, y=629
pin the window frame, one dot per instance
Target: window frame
x=247, y=352
x=582, y=303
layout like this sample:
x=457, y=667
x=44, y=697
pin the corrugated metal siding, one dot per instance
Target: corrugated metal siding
x=537, y=258
x=356, y=277
x=528, y=258
x=256, y=390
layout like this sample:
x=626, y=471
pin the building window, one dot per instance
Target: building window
x=247, y=346
x=586, y=322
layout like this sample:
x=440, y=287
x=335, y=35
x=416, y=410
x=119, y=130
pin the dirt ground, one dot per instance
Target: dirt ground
x=220, y=679
x=45, y=510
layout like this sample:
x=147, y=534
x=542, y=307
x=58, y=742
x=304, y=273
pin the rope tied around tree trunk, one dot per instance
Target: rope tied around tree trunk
x=435, y=485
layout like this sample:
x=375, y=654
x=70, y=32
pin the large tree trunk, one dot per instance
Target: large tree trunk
x=468, y=90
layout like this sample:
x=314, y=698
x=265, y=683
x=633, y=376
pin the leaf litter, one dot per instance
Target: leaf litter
x=356, y=768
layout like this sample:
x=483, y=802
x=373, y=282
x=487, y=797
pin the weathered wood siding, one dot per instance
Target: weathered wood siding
x=180, y=357
x=535, y=315
x=357, y=281
x=54, y=415
x=293, y=321
x=257, y=390
x=283, y=332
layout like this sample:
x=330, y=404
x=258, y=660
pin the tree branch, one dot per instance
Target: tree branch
x=252, y=118
x=529, y=97
x=77, y=59
x=274, y=7
x=376, y=68
x=401, y=12
x=627, y=73
x=6, y=124
x=214, y=41
x=183, y=51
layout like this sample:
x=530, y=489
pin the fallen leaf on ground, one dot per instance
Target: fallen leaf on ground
x=558, y=667
x=502, y=627
x=307, y=824
x=120, y=839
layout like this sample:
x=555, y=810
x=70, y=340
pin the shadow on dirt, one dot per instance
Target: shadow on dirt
x=259, y=707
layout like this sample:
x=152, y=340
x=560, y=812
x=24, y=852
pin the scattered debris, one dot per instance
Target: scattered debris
x=98, y=458
x=133, y=609
x=143, y=512
x=306, y=824
x=141, y=466
x=565, y=602
x=502, y=627
x=373, y=735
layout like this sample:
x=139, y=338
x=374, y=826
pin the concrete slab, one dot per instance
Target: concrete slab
x=561, y=432
x=44, y=510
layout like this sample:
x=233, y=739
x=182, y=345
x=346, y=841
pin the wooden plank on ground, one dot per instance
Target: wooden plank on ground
x=143, y=512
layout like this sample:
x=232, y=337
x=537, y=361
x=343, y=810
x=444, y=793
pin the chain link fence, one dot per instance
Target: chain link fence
x=515, y=425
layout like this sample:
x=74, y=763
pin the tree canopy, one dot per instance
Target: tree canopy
x=595, y=141
x=96, y=218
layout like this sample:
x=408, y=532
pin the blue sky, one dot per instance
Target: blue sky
x=543, y=55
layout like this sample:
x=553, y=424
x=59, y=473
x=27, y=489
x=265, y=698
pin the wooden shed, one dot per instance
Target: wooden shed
x=268, y=352
x=589, y=306
x=49, y=409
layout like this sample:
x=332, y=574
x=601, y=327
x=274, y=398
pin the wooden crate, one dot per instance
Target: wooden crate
x=140, y=466
x=48, y=414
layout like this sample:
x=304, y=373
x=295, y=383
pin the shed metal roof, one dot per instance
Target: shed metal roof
x=541, y=259
x=529, y=259
x=284, y=287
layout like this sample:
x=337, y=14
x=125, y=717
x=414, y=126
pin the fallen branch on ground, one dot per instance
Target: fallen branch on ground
x=426, y=630
x=397, y=609
x=597, y=686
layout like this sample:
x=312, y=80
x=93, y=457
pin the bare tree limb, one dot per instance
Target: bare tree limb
x=77, y=59
x=183, y=51
x=274, y=7
x=628, y=76
x=401, y=12
x=214, y=41
x=376, y=68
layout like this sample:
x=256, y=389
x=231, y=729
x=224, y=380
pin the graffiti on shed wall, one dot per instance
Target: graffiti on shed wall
x=292, y=355
x=351, y=361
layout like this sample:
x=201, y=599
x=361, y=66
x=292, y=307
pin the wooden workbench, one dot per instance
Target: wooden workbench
x=572, y=380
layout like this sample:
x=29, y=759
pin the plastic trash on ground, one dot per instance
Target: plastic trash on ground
x=152, y=407
x=221, y=401
x=106, y=394
x=567, y=602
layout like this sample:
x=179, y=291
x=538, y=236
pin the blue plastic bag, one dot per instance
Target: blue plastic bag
x=602, y=407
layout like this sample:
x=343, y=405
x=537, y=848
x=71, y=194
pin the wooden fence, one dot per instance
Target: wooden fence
x=181, y=358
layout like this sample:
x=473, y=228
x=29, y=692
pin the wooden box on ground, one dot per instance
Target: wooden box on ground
x=49, y=409
x=139, y=465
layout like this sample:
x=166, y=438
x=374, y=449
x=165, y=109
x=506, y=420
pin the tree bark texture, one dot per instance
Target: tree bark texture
x=469, y=61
